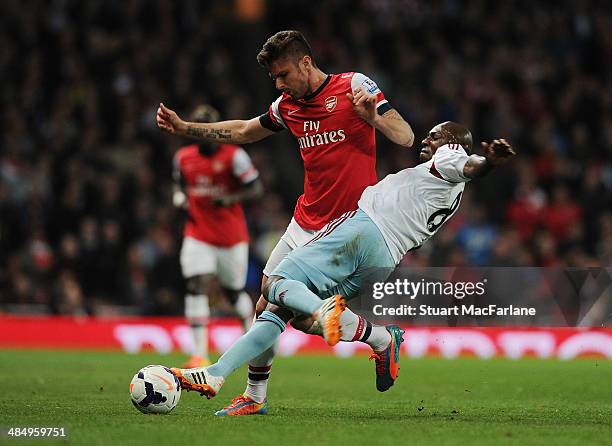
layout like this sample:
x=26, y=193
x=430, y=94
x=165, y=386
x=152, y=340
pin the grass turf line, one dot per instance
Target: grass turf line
x=319, y=400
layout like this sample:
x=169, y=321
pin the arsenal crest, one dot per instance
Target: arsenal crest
x=330, y=103
x=217, y=166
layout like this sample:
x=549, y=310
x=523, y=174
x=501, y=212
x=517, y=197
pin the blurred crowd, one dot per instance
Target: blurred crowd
x=86, y=217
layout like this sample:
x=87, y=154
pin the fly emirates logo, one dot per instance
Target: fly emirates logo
x=313, y=138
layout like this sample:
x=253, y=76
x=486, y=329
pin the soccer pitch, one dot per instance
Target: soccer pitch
x=318, y=400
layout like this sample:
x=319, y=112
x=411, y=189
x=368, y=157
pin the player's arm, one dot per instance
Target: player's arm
x=390, y=122
x=230, y=132
x=496, y=153
x=179, y=197
x=369, y=104
x=245, y=172
x=249, y=191
x=394, y=127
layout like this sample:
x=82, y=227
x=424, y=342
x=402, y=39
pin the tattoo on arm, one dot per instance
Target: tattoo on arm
x=209, y=134
x=402, y=132
x=393, y=114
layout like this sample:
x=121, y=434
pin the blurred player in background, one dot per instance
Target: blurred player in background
x=211, y=181
x=334, y=118
x=397, y=215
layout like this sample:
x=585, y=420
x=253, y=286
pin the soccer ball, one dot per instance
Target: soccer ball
x=155, y=389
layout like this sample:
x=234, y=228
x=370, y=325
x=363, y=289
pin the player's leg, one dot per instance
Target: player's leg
x=296, y=296
x=385, y=342
x=375, y=265
x=198, y=265
x=254, y=398
x=325, y=267
x=197, y=312
x=268, y=327
x=331, y=308
x=262, y=335
x=355, y=328
x=337, y=261
x=253, y=401
x=264, y=332
x=243, y=305
x=232, y=265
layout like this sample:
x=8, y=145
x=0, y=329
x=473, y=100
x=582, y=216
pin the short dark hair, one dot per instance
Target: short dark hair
x=459, y=134
x=291, y=44
x=204, y=113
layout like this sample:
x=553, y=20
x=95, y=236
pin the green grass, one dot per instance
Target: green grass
x=319, y=400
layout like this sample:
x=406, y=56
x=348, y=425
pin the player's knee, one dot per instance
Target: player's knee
x=261, y=306
x=302, y=323
x=232, y=295
x=268, y=284
x=264, y=284
x=199, y=284
x=283, y=313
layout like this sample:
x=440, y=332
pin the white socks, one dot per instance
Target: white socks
x=197, y=312
x=257, y=383
x=259, y=373
x=244, y=308
x=379, y=338
x=356, y=328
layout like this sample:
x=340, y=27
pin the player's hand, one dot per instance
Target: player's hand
x=497, y=152
x=169, y=121
x=223, y=201
x=179, y=200
x=364, y=104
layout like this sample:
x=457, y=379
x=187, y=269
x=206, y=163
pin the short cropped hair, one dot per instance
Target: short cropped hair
x=204, y=113
x=284, y=44
x=458, y=134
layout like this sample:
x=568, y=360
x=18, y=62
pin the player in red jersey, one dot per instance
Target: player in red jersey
x=211, y=181
x=334, y=118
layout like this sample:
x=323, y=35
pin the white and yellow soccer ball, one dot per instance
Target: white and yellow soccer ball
x=155, y=390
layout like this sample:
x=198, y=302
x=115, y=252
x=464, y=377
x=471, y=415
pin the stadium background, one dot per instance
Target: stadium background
x=87, y=224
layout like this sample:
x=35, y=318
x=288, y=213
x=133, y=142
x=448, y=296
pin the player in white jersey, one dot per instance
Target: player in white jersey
x=396, y=215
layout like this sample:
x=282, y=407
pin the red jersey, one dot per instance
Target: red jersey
x=337, y=146
x=205, y=177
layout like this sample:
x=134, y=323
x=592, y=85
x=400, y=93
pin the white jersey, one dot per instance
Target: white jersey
x=410, y=206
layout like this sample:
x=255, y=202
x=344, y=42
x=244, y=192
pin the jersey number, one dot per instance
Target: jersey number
x=437, y=218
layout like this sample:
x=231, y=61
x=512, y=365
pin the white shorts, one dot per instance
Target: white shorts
x=294, y=237
x=229, y=264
